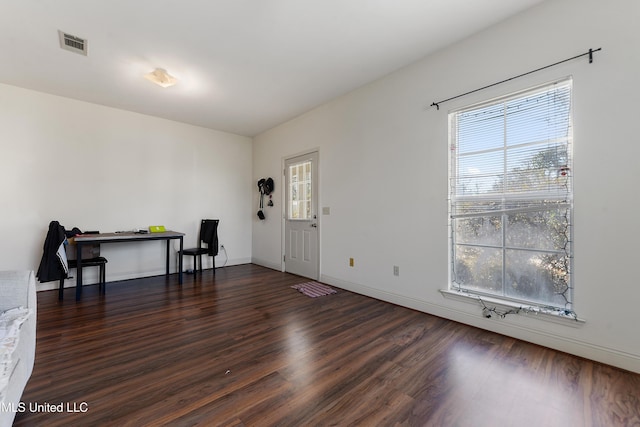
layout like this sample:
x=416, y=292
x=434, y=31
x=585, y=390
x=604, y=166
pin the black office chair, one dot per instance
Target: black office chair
x=209, y=237
x=90, y=258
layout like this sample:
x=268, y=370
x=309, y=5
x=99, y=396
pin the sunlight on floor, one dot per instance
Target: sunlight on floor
x=485, y=380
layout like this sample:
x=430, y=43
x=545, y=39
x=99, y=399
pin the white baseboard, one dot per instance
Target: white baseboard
x=234, y=261
x=267, y=264
x=525, y=332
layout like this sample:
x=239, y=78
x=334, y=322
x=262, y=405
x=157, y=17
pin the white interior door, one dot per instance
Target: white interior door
x=301, y=224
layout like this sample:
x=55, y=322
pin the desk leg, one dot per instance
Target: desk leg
x=78, y=271
x=180, y=263
x=168, y=249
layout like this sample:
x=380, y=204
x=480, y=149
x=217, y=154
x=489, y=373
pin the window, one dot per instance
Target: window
x=510, y=196
x=300, y=190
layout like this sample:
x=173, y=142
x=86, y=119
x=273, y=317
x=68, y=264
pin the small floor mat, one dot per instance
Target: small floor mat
x=314, y=289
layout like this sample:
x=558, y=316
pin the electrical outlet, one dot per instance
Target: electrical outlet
x=350, y=262
x=396, y=270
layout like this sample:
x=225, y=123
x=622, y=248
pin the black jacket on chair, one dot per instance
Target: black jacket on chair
x=52, y=266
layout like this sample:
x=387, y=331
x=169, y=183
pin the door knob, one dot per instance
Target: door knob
x=314, y=225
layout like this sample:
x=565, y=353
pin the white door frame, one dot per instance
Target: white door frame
x=315, y=206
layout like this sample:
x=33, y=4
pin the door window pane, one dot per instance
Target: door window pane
x=300, y=191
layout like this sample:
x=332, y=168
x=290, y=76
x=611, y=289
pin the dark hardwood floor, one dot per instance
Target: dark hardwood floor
x=242, y=348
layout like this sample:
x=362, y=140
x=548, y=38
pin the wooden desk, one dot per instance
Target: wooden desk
x=83, y=239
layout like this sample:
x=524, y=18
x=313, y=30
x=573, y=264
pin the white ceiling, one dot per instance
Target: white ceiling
x=244, y=66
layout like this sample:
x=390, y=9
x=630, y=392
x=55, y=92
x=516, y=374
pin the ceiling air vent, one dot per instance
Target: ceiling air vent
x=72, y=43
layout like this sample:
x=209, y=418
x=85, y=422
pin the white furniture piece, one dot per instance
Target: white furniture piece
x=17, y=339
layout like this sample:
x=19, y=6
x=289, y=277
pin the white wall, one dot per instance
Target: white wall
x=94, y=167
x=383, y=173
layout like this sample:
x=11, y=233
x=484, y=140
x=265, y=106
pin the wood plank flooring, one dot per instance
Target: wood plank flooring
x=242, y=348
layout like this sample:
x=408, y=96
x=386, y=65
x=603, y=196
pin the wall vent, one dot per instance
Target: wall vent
x=72, y=43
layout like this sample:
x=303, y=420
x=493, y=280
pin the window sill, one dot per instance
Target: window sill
x=503, y=306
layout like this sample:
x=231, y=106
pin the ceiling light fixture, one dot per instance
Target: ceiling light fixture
x=161, y=78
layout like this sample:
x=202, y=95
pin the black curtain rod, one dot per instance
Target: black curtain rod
x=590, y=53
